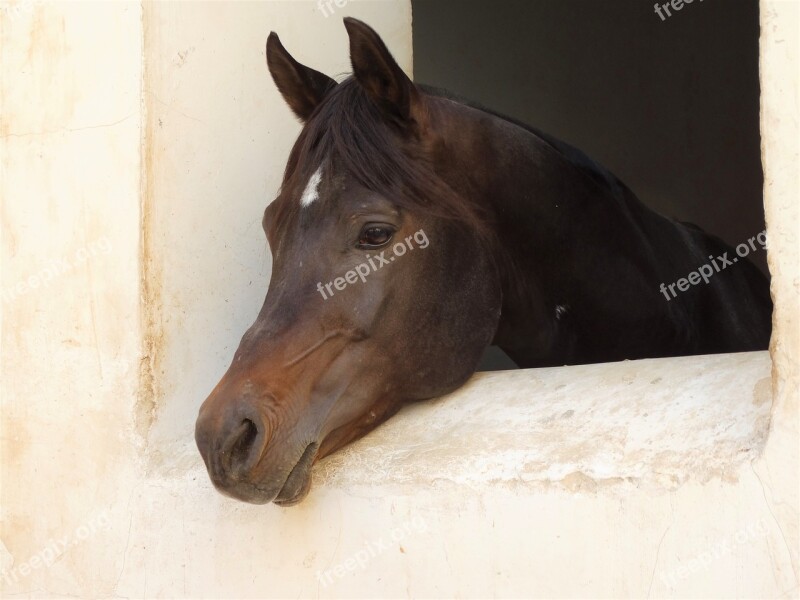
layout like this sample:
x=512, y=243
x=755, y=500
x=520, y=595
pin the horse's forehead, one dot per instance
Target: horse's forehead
x=323, y=186
x=311, y=191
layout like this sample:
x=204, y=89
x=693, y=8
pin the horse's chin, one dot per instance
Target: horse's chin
x=298, y=483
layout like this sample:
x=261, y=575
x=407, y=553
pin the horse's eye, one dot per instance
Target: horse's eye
x=374, y=236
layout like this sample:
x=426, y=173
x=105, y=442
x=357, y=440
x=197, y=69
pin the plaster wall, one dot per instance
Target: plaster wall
x=139, y=146
x=70, y=144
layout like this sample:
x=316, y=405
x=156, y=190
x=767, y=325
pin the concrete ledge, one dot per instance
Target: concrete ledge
x=631, y=478
x=654, y=422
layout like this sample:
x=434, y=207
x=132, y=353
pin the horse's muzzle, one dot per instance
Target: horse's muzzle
x=234, y=442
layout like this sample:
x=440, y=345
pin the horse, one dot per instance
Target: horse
x=412, y=230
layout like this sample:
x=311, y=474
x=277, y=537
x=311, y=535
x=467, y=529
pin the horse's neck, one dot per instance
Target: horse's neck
x=564, y=229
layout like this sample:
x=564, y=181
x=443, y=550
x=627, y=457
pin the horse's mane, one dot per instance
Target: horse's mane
x=350, y=129
x=576, y=157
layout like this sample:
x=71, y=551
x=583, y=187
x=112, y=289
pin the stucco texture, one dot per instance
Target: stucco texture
x=139, y=146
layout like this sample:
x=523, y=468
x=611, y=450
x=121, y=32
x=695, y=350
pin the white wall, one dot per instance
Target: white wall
x=150, y=186
x=70, y=121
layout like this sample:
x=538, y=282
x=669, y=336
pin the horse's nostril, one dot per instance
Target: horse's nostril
x=241, y=451
x=241, y=446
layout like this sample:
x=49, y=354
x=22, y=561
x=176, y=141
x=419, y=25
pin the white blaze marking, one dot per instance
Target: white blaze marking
x=311, y=192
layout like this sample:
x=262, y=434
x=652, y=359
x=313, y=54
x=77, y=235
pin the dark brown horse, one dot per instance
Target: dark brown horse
x=412, y=230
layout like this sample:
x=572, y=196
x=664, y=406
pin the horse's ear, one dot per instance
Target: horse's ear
x=379, y=74
x=303, y=88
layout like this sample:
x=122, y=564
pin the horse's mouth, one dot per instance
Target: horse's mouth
x=298, y=482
